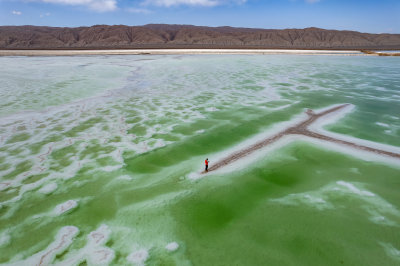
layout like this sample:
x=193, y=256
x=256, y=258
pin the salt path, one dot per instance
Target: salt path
x=301, y=128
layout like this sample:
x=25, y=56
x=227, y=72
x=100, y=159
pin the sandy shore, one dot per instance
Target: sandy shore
x=172, y=52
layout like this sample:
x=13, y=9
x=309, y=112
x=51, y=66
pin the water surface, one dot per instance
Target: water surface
x=116, y=138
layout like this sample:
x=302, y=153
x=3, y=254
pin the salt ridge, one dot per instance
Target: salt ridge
x=316, y=126
x=65, y=207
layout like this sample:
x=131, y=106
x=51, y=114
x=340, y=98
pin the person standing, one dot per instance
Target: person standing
x=206, y=162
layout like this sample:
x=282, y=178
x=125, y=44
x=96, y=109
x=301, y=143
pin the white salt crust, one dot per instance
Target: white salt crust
x=94, y=252
x=49, y=188
x=181, y=52
x=65, y=207
x=172, y=246
x=211, y=109
x=353, y=189
x=138, y=257
x=42, y=159
x=382, y=124
x=39, y=125
x=5, y=239
x=391, y=251
x=125, y=177
x=62, y=241
x=324, y=198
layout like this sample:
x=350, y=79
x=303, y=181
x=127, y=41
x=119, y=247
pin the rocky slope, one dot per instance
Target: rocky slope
x=186, y=36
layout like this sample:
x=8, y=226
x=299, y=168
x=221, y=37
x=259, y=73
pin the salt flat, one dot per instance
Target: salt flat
x=100, y=159
x=173, y=51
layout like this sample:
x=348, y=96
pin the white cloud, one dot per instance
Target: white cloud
x=138, y=10
x=96, y=5
x=16, y=12
x=169, y=3
x=45, y=15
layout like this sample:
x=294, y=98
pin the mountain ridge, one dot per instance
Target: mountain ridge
x=188, y=36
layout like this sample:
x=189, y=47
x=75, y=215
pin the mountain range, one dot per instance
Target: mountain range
x=188, y=36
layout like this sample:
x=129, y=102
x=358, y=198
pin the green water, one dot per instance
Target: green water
x=121, y=136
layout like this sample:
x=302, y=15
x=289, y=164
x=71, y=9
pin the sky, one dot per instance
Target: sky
x=361, y=15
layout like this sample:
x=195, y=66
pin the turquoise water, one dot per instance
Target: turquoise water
x=96, y=155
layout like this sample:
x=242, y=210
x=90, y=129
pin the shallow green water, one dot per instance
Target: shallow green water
x=121, y=136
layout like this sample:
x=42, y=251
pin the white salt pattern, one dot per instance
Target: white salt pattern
x=391, y=251
x=65, y=207
x=138, y=257
x=113, y=118
x=125, y=177
x=4, y=239
x=172, y=246
x=353, y=189
x=49, y=188
x=324, y=198
x=63, y=240
x=382, y=124
x=211, y=109
x=94, y=252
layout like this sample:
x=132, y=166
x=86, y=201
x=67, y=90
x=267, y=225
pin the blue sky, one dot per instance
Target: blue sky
x=361, y=15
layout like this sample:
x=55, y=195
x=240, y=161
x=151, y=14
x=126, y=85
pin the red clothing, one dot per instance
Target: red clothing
x=206, y=162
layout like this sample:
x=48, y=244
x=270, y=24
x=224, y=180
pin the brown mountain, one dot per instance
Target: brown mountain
x=186, y=36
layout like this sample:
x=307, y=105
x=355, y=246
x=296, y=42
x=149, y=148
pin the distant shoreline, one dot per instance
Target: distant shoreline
x=180, y=52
